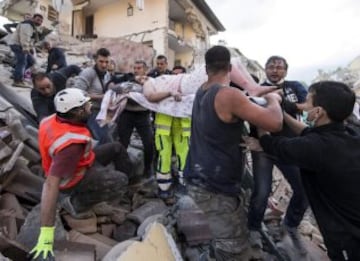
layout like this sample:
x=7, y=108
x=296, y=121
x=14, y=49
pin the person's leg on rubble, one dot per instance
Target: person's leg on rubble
x=262, y=174
x=297, y=205
x=227, y=221
x=116, y=153
x=144, y=128
x=163, y=145
x=125, y=127
x=99, y=184
x=181, y=138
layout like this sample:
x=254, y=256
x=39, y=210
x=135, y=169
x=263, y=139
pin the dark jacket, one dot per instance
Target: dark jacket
x=328, y=157
x=56, y=56
x=43, y=105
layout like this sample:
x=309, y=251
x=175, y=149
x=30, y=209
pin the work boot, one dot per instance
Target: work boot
x=296, y=239
x=167, y=196
x=20, y=84
x=255, y=239
x=69, y=208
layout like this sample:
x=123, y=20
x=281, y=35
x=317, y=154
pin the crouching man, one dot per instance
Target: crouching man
x=73, y=167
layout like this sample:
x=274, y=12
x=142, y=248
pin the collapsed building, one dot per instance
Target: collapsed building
x=139, y=226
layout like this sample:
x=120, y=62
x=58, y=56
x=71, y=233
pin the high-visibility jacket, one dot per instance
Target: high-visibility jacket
x=163, y=125
x=55, y=135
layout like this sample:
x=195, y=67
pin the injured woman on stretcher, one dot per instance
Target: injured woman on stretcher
x=181, y=87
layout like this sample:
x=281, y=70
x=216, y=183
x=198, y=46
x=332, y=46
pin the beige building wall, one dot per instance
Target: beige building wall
x=148, y=26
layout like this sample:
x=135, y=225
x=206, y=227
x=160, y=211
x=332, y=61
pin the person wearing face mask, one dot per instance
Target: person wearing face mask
x=328, y=156
x=75, y=172
x=294, y=95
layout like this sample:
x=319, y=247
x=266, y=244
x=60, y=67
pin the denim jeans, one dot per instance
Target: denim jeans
x=21, y=61
x=101, y=134
x=127, y=121
x=262, y=172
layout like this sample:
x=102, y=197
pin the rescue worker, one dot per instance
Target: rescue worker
x=169, y=131
x=73, y=167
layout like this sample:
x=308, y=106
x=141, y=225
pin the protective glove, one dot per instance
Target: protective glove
x=44, y=247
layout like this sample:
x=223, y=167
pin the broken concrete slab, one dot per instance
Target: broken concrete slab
x=152, y=207
x=10, y=202
x=125, y=231
x=29, y=232
x=15, y=251
x=194, y=225
x=107, y=230
x=102, y=247
x=8, y=226
x=65, y=251
x=85, y=226
x=25, y=185
x=117, y=250
x=157, y=245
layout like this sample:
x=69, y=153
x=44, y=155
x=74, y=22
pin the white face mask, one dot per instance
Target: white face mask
x=307, y=121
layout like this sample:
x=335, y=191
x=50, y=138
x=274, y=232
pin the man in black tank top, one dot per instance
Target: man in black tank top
x=214, y=167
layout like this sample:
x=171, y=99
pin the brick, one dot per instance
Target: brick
x=65, y=250
x=150, y=208
x=8, y=226
x=107, y=230
x=101, y=247
x=85, y=226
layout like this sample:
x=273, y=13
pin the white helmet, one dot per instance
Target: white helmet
x=69, y=98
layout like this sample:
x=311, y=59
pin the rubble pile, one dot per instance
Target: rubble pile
x=138, y=226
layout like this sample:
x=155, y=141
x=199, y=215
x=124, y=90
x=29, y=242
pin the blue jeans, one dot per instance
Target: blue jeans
x=101, y=134
x=262, y=172
x=21, y=61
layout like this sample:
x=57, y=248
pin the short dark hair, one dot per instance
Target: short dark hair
x=38, y=15
x=102, y=52
x=179, y=67
x=39, y=76
x=142, y=62
x=336, y=98
x=275, y=58
x=161, y=57
x=217, y=58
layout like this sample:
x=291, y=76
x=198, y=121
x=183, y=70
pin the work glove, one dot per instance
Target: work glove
x=44, y=247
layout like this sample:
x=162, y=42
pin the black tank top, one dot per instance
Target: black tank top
x=215, y=160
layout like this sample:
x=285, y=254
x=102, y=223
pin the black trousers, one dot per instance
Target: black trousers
x=102, y=183
x=128, y=120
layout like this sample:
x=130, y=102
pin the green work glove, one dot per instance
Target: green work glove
x=45, y=243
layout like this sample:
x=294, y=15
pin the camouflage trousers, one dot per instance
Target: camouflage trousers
x=227, y=220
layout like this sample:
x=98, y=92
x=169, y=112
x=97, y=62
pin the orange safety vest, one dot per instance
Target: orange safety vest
x=55, y=135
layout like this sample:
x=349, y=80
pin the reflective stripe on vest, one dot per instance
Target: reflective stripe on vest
x=69, y=136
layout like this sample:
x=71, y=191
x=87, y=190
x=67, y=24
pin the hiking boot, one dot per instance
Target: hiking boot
x=255, y=239
x=296, y=239
x=167, y=196
x=69, y=208
x=20, y=84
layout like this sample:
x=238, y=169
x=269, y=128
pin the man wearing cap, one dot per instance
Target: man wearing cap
x=75, y=171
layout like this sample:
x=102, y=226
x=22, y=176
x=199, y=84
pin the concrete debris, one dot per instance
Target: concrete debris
x=137, y=226
x=156, y=245
x=65, y=251
x=150, y=208
x=85, y=226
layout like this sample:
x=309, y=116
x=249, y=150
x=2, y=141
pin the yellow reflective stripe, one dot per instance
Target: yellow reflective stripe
x=163, y=127
x=65, y=138
x=186, y=129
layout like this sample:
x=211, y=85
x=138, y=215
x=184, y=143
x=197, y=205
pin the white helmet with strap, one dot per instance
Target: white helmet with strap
x=69, y=98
